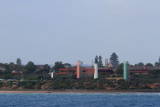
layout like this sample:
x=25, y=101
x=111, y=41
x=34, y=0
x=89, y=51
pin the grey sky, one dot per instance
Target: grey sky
x=45, y=31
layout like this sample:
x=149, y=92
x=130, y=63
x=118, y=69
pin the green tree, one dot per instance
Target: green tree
x=140, y=64
x=149, y=65
x=19, y=62
x=43, y=73
x=11, y=66
x=100, y=64
x=46, y=66
x=119, y=69
x=30, y=67
x=114, y=59
x=96, y=59
x=157, y=64
x=57, y=66
x=19, y=66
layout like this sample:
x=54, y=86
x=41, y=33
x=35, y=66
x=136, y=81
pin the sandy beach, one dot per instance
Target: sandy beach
x=79, y=91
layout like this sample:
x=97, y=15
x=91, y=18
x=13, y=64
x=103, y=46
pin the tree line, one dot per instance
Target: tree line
x=114, y=60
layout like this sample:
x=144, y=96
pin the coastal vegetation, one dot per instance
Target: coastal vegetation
x=31, y=76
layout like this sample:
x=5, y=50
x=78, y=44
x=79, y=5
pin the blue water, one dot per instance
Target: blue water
x=79, y=100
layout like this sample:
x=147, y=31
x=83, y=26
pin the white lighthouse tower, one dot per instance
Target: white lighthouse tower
x=95, y=71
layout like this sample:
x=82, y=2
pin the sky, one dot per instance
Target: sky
x=45, y=31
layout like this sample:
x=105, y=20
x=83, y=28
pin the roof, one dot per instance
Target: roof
x=2, y=69
x=110, y=65
x=144, y=68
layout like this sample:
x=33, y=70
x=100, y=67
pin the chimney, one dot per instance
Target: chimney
x=106, y=63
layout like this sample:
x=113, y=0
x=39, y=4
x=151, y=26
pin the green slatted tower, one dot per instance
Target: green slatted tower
x=125, y=71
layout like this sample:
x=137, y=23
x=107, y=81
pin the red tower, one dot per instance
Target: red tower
x=78, y=69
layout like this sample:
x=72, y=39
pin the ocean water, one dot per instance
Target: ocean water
x=79, y=100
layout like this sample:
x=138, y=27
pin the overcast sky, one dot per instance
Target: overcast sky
x=45, y=31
